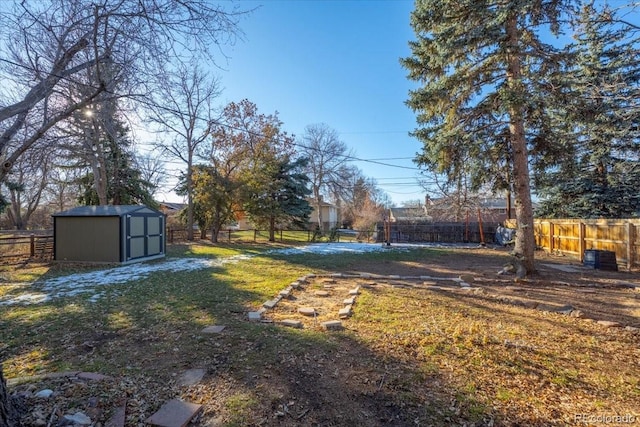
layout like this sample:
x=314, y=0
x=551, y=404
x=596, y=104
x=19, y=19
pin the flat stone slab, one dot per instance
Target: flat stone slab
x=467, y=278
x=271, y=303
x=332, y=325
x=609, y=324
x=307, y=311
x=214, y=329
x=291, y=323
x=355, y=291
x=118, y=418
x=255, y=315
x=565, y=268
x=191, y=377
x=92, y=376
x=349, y=301
x=321, y=293
x=174, y=413
x=343, y=313
x=285, y=293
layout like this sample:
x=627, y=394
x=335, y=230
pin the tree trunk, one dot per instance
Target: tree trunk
x=272, y=229
x=190, y=216
x=8, y=416
x=524, y=242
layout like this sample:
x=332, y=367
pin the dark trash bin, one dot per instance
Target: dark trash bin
x=601, y=260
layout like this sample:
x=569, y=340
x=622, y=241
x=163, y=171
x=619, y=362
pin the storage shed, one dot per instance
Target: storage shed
x=110, y=234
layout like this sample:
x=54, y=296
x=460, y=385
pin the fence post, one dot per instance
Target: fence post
x=32, y=244
x=551, y=233
x=255, y=235
x=581, y=244
x=631, y=239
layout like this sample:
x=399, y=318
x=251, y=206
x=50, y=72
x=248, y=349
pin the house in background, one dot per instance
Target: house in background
x=409, y=215
x=170, y=208
x=330, y=214
x=449, y=209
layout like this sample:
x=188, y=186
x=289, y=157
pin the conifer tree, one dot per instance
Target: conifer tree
x=477, y=64
x=598, y=176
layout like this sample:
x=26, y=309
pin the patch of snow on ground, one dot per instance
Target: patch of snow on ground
x=84, y=283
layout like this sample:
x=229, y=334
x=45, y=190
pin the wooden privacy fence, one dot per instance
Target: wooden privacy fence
x=574, y=236
x=25, y=246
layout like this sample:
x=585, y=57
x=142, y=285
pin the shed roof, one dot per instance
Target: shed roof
x=105, y=210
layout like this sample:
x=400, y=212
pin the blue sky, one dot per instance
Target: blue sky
x=333, y=62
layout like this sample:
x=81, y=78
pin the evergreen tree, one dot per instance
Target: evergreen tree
x=275, y=194
x=124, y=183
x=478, y=63
x=598, y=175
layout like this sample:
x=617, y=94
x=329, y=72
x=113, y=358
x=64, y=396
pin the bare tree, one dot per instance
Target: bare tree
x=152, y=170
x=26, y=186
x=49, y=43
x=187, y=114
x=328, y=169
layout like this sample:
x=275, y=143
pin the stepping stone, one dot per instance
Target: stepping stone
x=609, y=324
x=285, y=293
x=332, y=325
x=345, y=312
x=355, y=291
x=467, y=278
x=271, y=303
x=296, y=285
x=118, y=418
x=565, y=309
x=255, y=316
x=292, y=323
x=307, y=311
x=321, y=293
x=349, y=301
x=190, y=377
x=215, y=329
x=329, y=282
x=92, y=376
x=174, y=413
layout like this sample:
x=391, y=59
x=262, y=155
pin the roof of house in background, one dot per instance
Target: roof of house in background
x=173, y=206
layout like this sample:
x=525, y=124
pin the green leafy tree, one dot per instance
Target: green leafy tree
x=598, y=174
x=477, y=64
x=275, y=194
x=214, y=198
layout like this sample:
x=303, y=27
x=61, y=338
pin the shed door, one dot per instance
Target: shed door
x=145, y=236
